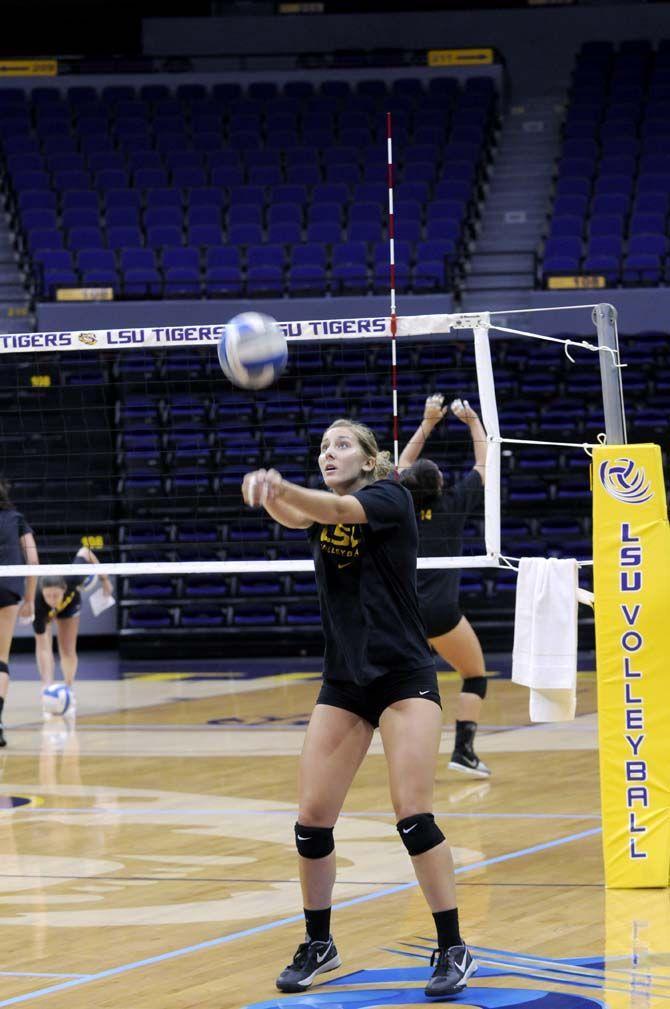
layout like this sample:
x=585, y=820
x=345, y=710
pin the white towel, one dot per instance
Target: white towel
x=544, y=657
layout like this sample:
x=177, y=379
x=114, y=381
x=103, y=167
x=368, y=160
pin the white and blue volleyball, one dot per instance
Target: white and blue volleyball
x=253, y=351
x=89, y=583
x=56, y=699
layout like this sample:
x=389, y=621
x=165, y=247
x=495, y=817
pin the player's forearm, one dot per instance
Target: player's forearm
x=284, y=513
x=30, y=556
x=317, y=505
x=414, y=446
x=479, y=445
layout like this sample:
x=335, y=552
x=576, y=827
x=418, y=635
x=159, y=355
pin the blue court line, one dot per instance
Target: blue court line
x=292, y=920
x=544, y=963
x=138, y=811
x=512, y=965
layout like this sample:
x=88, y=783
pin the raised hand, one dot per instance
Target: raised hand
x=462, y=410
x=434, y=410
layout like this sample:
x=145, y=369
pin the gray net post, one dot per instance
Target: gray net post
x=605, y=319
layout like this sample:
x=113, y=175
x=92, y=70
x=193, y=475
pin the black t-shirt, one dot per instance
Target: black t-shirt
x=441, y=535
x=70, y=605
x=366, y=579
x=12, y=527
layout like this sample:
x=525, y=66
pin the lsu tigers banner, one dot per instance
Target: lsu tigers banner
x=631, y=544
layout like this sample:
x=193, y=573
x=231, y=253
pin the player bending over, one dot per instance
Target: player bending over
x=59, y=599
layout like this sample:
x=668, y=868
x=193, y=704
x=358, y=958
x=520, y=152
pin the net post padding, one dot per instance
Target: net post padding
x=489, y=407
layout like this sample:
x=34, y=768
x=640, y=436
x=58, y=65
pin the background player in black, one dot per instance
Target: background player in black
x=441, y=515
x=59, y=599
x=378, y=670
x=17, y=546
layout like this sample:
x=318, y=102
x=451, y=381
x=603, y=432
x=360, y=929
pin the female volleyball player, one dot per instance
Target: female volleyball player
x=378, y=671
x=17, y=546
x=441, y=514
x=59, y=599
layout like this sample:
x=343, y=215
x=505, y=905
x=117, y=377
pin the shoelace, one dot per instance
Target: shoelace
x=442, y=958
x=300, y=956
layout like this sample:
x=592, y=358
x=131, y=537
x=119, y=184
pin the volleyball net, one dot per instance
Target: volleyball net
x=132, y=442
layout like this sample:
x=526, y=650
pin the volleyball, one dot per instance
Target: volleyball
x=89, y=583
x=56, y=699
x=252, y=351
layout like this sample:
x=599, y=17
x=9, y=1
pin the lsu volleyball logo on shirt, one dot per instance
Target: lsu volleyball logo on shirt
x=341, y=541
x=625, y=481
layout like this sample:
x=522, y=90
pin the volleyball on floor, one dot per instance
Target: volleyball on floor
x=56, y=699
x=253, y=350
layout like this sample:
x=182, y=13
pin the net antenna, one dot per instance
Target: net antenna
x=374, y=328
x=393, y=316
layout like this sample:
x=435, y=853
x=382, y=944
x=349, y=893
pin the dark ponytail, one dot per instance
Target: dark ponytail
x=5, y=500
x=424, y=482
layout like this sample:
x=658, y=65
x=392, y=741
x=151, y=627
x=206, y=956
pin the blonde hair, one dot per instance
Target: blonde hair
x=368, y=443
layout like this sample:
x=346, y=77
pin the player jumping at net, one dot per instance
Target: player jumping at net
x=59, y=599
x=441, y=514
x=378, y=671
x=17, y=599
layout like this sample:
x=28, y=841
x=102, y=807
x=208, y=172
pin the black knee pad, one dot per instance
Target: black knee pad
x=419, y=833
x=4, y=668
x=475, y=685
x=314, y=842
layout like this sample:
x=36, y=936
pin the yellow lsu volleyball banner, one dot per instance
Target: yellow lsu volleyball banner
x=631, y=544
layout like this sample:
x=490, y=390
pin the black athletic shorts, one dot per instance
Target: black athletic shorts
x=8, y=598
x=440, y=618
x=371, y=701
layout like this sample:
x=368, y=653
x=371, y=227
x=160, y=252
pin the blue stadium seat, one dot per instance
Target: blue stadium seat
x=566, y=225
x=607, y=224
x=328, y=232
x=642, y=268
x=430, y=275
x=205, y=234
x=265, y=280
x=223, y=281
x=159, y=235
x=182, y=281
x=180, y=257
x=85, y=238
x=124, y=237
x=121, y=198
x=307, y=280
x=96, y=259
x=163, y=216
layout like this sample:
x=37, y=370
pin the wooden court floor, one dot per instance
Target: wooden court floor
x=147, y=858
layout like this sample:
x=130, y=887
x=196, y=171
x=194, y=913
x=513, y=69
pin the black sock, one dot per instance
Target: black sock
x=465, y=736
x=446, y=923
x=2, y=704
x=317, y=924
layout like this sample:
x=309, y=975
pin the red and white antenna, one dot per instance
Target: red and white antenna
x=394, y=318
